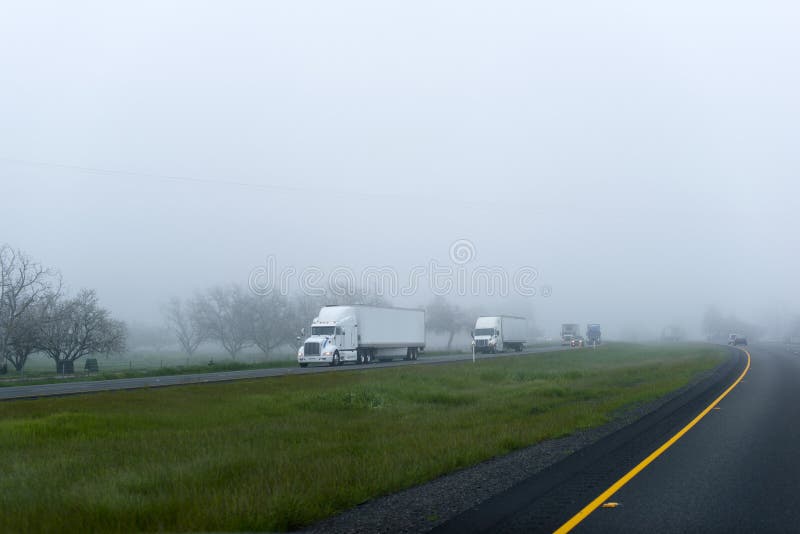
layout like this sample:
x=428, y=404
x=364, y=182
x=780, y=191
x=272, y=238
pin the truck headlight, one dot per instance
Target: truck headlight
x=327, y=353
x=492, y=341
x=300, y=352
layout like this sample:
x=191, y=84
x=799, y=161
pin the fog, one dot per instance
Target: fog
x=642, y=159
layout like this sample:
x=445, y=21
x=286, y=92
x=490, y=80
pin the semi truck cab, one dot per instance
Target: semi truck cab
x=331, y=342
x=487, y=335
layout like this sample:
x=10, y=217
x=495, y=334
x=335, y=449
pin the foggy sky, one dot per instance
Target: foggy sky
x=642, y=158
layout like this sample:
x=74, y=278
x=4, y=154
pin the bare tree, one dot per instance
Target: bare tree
x=444, y=317
x=25, y=339
x=73, y=328
x=224, y=313
x=183, y=322
x=272, y=322
x=23, y=283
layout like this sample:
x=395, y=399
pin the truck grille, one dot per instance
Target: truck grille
x=482, y=343
x=311, y=349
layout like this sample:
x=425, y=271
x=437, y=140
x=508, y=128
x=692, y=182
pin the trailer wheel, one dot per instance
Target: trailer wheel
x=359, y=357
x=414, y=354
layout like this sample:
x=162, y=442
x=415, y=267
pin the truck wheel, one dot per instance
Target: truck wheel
x=359, y=357
x=303, y=365
x=336, y=360
x=414, y=354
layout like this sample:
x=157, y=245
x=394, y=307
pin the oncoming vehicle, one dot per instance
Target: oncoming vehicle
x=593, y=334
x=577, y=342
x=569, y=332
x=498, y=333
x=363, y=334
x=737, y=339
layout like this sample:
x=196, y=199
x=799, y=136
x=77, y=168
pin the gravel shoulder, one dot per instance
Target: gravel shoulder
x=422, y=508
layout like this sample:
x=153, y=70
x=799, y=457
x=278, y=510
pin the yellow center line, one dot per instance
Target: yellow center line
x=616, y=486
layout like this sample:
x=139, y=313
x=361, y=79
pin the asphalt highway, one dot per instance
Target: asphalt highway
x=735, y=469
x=93, y=386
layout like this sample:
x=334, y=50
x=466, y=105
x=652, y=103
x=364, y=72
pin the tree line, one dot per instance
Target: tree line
x=37, y=316
x=237, y=319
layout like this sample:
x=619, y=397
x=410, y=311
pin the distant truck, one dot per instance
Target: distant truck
x=737, y=339
x=569, y=332
x=363, y=334
x=593, y=335
x=499, y=332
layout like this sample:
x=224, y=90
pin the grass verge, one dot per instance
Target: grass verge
x=280, y=453
x=168, y=370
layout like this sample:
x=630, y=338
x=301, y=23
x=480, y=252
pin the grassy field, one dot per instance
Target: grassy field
x=280, y=453
x=41, y=370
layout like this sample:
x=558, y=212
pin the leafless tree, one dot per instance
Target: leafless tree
x=447, y=318
x=25, y=339
x=272, y=322
x=224, y=314
x=73, y=328
x=23, y=283
x=183, y=322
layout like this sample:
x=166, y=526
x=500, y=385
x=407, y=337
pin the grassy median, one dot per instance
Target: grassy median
x=280, y=453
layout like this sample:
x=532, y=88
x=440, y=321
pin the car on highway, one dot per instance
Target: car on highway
x=577, y=341
x=736, y=339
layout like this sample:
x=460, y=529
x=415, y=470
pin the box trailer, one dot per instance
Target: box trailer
x=363, y=334
x=497, y=333
x=593, y=334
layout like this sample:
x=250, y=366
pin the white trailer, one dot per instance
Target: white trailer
x=499, y=332
x=362, y=334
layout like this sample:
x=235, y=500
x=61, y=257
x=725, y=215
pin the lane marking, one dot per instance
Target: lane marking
x=616, y=486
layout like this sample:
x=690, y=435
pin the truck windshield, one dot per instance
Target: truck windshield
x=323, y=330
x=484, y=331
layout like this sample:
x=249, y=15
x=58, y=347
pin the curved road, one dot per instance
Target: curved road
x=736, y=470
x=93, y=386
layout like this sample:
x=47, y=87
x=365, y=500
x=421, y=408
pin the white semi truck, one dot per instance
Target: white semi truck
x=363, y=334
x=570, y=332
x=499, y=332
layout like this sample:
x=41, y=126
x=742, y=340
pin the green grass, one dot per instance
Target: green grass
x=174, y=366
x=280, y=453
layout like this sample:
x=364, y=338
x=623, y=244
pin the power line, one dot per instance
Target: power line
x=332, y=191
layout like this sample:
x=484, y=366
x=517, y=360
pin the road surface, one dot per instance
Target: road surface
x=93, y=386
x=737, y=469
